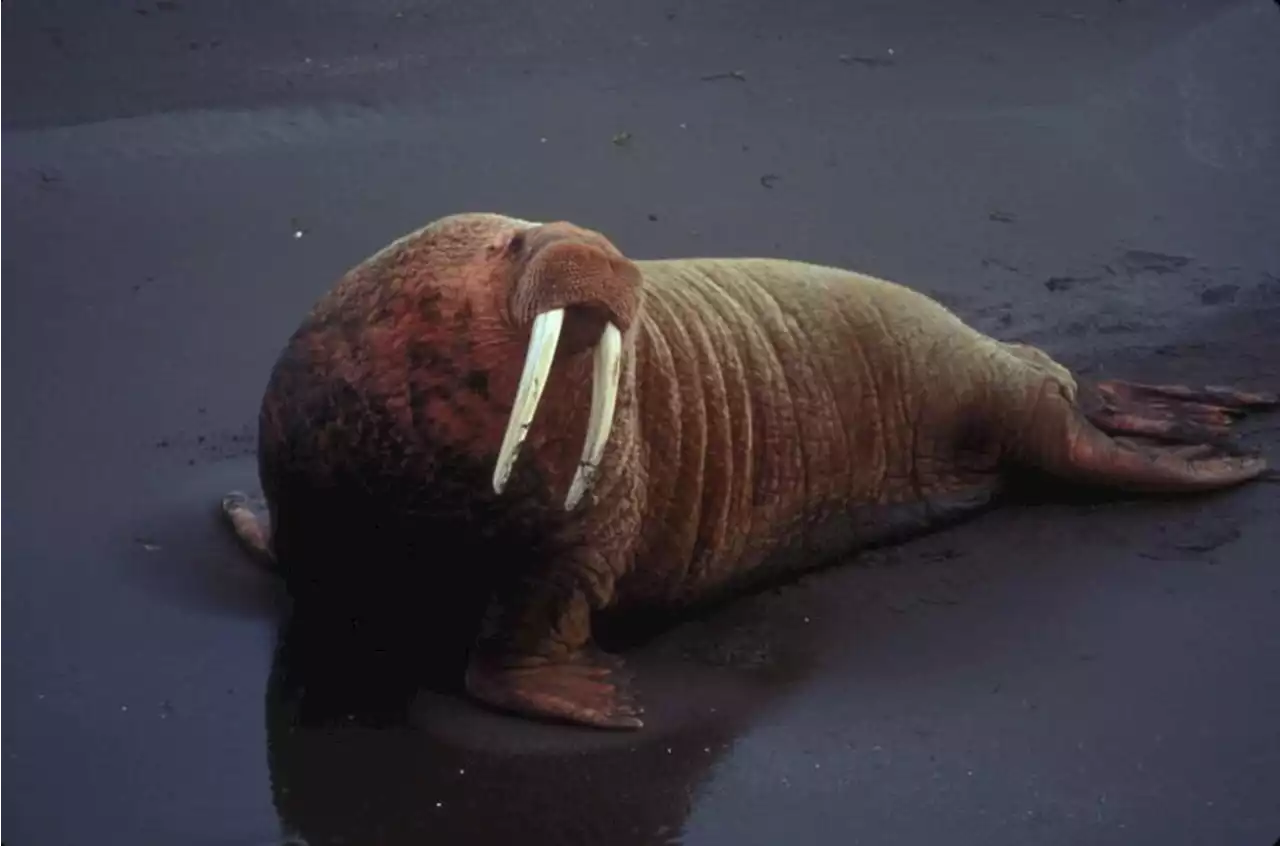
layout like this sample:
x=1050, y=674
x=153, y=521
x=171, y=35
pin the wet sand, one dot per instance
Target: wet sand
x=182, y=180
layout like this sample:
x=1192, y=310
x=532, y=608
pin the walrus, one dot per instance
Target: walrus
x=520, y=408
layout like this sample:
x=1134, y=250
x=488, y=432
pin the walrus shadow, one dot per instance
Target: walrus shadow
x=368, y=742
x=372, y=737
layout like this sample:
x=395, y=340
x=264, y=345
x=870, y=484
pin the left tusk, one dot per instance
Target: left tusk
x=543, y=340
x=604, y=397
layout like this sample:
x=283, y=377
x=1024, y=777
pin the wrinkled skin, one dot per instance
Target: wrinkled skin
x=770, y=416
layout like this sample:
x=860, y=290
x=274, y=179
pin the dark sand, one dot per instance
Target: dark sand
x=1102, y=178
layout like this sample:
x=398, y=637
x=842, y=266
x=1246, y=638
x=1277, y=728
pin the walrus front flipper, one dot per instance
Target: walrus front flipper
x=252, y=526
x=539, y=663
x=1076, y=444
x=580, y=690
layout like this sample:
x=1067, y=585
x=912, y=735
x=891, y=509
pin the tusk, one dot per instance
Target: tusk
x=537, y=363
x=604, y=396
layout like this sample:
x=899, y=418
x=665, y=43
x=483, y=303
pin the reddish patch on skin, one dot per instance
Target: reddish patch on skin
x=438, y=334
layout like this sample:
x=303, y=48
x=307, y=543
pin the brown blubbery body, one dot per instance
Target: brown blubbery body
x=770, y=415
x=784, y=407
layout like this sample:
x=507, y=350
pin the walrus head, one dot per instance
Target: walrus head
x=573, y=282
x=541, y=288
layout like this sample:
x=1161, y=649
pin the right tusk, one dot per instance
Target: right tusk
x=537, y=363
x=604, y=396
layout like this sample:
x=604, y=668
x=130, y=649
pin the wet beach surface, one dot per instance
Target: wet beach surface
x=183, y=179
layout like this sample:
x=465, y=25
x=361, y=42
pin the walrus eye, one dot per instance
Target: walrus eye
x=516, y=245
x=604, y=396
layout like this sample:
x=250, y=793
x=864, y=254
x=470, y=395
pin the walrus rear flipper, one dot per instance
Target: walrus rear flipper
x=1093, y=448
x=252, y=528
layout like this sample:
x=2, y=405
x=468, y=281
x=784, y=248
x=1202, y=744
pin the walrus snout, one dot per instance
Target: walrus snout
x=560, y=265
x=565, y=268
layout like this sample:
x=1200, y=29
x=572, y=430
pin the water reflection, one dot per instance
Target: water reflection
x=367, y=747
